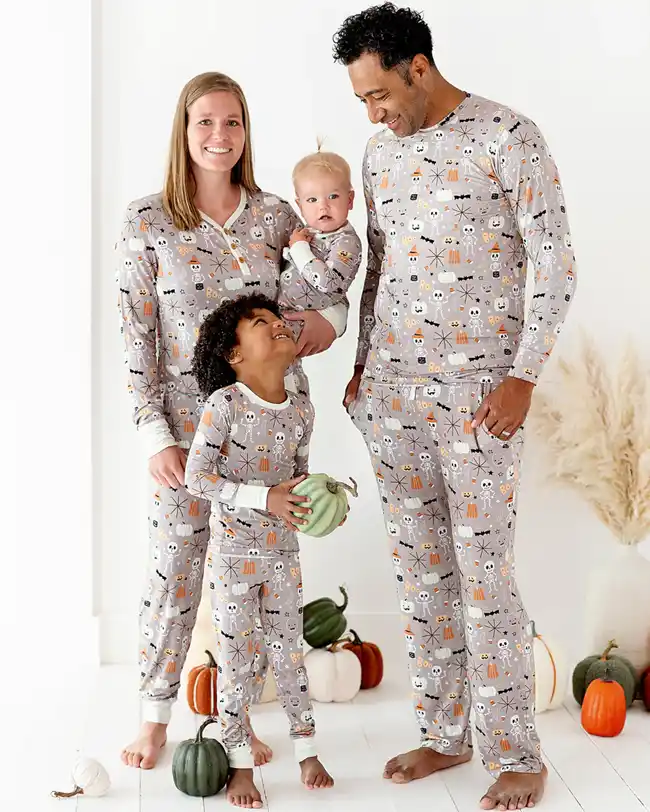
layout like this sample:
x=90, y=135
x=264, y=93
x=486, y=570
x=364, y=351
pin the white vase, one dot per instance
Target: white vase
x=618, y=605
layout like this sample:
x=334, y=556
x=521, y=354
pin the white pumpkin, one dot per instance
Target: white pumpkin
x=551, y=674
x=89, y=778
x=334, y=674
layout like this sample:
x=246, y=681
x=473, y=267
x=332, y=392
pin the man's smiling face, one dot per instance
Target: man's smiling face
x=395, y=98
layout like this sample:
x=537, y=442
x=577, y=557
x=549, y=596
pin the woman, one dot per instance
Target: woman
x=211, y=234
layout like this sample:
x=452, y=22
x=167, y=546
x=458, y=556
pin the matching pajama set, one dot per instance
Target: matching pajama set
x=455, y=212
x=243, y=446
x=169, y=281
x=318, y=275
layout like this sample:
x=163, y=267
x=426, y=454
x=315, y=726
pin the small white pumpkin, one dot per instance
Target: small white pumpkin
x=551, y=674
x=89, y=778
x=334, y=674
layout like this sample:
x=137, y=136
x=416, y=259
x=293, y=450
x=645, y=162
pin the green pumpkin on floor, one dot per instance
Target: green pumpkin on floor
x=605, y=666
x=200, y=766
x=324, y=621
x=329, y=503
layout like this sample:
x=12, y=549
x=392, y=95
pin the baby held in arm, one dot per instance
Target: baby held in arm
x=323, y=257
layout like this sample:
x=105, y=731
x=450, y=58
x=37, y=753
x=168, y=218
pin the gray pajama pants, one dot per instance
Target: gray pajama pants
x=253, y=596
x=178, y=536
x=448, y=494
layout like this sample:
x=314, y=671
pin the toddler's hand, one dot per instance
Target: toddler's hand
x=282, y=502
x=300, y=235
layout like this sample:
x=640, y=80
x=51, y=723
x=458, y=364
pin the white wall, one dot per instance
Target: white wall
x=576, y=68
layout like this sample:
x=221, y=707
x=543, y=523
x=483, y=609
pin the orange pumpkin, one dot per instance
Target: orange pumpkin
x=604, y=708
x=202, y=688
x=369, y=655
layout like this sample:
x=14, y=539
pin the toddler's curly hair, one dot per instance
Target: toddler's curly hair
x=218, y=338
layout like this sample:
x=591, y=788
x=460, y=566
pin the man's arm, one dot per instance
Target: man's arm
x=376, y=240
x=530, y=180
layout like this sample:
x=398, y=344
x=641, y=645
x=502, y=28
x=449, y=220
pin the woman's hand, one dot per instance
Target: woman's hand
x=282, y=503
x=317, y=334
x=167, y=467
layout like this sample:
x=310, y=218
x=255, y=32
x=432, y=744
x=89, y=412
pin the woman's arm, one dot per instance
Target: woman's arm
x=138, y=305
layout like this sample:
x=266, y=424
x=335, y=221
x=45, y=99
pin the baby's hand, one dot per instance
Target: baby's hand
x=300, y=235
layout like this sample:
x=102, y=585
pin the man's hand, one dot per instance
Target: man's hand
x=504, y=410
x=283, y=503
x=300, y=235
x=352, y=389
x=167, y=467
x=317, y=334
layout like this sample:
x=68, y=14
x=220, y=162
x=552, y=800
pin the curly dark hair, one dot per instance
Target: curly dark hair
x=396, y=35
x=218, y=337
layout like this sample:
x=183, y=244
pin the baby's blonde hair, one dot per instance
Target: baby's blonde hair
x=324, y=161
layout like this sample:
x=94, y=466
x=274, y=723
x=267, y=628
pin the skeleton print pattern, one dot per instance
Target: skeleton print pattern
x=169, y=281
x=322, y=271
x=454, y=214
x=253, y=597
x=448, y=494
x=243, y=440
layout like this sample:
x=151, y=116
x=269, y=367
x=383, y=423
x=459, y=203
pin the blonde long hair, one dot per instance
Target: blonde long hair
x=180, y=185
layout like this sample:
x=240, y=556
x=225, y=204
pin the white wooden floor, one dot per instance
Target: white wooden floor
x=585, y=773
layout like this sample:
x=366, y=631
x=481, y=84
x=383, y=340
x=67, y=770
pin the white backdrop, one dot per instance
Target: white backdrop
x=576, y=68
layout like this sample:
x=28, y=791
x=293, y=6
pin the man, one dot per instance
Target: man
x=461, y=192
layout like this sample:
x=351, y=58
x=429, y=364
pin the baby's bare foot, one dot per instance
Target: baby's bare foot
x=241, y=790
x=145, y=750
x=314, y=775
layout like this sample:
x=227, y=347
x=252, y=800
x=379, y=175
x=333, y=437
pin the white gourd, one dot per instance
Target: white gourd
x=89, y=778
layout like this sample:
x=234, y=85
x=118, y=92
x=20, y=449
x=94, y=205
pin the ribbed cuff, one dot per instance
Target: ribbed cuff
x=301, y=254
x=156, y=437
x=157, y=710
x=337, y=315
x=528, y=365
x=254, y=497
x=241, y=757
x=305, y=747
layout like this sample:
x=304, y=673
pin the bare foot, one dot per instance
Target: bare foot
x=262, y=753
x=145, y=750
x=515, y=791
x=314, y=775
x=420, y=763
x=241, y=791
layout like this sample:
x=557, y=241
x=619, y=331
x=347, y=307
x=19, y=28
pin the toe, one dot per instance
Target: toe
x=390, y=767
x=488, y=803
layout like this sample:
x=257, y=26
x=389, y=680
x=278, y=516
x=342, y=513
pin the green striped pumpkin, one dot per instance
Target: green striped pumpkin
x=328, y=503
x=200, y=766
x=324, y=621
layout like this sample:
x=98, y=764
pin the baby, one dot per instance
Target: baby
x=323, y=258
